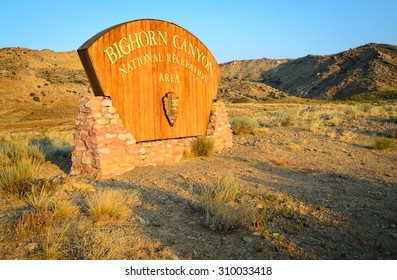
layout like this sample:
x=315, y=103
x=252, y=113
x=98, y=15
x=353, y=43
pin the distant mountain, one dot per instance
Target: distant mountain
x=372, y=67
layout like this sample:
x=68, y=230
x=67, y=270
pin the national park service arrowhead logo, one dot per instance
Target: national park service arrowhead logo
x=170, y=106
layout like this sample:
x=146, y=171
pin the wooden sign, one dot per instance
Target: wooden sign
x=162, y=80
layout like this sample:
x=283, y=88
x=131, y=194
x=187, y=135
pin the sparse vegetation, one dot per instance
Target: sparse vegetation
x=382, y=143
x=391, y=131
x=33, y=223
x=244, y=125
x=64, y=209
x=203, y=147
x=39, y=200
x=222, y=211
x=106, y=205
x=54, y=220
x=288, y=118
x=19, y=165
x=375, y=96
x=53, y=148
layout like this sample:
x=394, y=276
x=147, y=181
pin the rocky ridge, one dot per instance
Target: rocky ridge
x=368, y=68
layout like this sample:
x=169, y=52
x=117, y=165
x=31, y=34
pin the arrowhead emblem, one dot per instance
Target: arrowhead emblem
x=170, y=106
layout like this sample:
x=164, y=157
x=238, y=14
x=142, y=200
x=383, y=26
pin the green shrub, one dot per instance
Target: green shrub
x=203, y=147
x=382, y=143
x=244, y=125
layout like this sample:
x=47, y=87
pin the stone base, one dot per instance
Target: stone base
x=104, y=148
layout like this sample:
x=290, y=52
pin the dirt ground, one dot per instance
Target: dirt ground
x=348, y=194
x=324, y=199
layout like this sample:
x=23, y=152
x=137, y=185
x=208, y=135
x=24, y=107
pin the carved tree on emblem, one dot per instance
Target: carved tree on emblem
x=170, y=106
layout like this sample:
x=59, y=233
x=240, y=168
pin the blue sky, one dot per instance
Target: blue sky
x=232, y=30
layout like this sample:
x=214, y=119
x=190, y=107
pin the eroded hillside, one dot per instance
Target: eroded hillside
x=369, y=68
x=39, y=85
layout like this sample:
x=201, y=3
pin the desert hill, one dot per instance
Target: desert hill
x=372, y=67
x=38, y=85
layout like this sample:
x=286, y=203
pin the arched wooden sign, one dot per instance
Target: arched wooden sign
x=161, y=78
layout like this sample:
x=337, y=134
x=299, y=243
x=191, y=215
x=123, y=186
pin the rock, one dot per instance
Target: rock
x=121, y=137
x=257, y=233
x=130, y=142
x=104, y=150
x=247, y=239
x=112, y=110
x=174, y=257
x=107, y=103
x=191, y=238
x=192, y=224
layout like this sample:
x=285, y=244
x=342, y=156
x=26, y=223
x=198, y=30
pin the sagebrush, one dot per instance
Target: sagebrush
x=203, y=147
x=222, y=211
x=244, y=125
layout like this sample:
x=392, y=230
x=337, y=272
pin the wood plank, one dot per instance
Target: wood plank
x=136, y=63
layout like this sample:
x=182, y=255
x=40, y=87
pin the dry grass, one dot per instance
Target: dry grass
x=391, y=131
x=51, y=245
x=53, y=148
x=221, y=210
x=20, y=163
x=346, y=122
x=14, y=152
x=57, y=221
x=32, y=223
x=39, y=200
x=289, y=118
x=17, y=178
x=107, y=205
x=315, y=125
x=280, y=162
x=64, y=209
